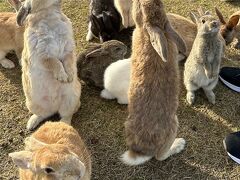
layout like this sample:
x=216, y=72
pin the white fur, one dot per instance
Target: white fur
x=116, y=81
x=124, y=7
x=134, y=161
x=177, y=146
x=90, y=35
x=48, y=93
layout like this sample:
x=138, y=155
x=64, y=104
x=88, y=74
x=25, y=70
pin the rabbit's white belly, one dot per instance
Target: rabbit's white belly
x=45, y=90
x=201, y=79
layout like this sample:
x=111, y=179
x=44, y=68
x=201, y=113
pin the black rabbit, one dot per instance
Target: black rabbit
x=104, y=20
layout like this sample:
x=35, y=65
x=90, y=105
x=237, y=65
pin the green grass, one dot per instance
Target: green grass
x=100, y=122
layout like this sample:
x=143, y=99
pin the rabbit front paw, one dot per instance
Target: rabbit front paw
x=61, y=76
x=7, y=64
x=70, y=74
x=190, y=98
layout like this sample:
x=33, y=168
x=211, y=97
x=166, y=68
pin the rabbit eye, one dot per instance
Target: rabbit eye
x=49, y=170
x=118, y=49
x=203, y=21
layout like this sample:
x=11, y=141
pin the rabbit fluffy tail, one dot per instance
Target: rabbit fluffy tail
x=132, y=158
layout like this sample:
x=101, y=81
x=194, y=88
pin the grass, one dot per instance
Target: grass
x=100, y=122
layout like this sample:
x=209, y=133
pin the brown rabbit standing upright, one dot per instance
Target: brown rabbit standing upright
x=151, y=127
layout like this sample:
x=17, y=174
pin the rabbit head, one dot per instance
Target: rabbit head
x=95, y=61
x=34, y=6
x=105, y=26
x=206, y=23
x=49, y=161
x=228, y=28
x=16, y=4
x=113, y=48
x=159, y=29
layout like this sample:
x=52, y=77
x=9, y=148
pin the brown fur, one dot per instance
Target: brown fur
x=11, y=34
x=185, y=28
x=59, y=138
x=151, y=126
x=230, y=29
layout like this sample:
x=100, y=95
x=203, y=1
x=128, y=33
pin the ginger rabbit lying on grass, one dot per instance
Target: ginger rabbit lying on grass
x=55, y=151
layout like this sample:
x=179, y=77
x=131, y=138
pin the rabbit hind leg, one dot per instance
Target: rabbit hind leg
x=208, y=90
x=172, y=146
x=90, y=35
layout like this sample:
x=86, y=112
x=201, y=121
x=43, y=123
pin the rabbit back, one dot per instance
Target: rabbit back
x=117, y=78
x=11, y=35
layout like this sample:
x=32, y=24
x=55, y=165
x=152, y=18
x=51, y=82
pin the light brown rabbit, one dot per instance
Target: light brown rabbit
x=152, y=124
x=11, y=35
x=55, y=151
x=230, y=29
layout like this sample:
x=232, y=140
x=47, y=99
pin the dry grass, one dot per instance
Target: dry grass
x=100, y=122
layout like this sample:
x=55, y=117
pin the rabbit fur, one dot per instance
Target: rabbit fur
x=54, y=151
x=152, y=124
x=230, y=29
x=117, y=74
x=116, y=81
x=94, y=61
x=11, y=35
x=124, y=7
x=203, y=64
x=49, y=77
x=104, y=20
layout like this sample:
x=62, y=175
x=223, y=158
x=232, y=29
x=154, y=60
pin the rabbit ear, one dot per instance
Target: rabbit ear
x=16, y=4
x=200, y=11
x=97, y=53
x=194, y=17
x=220, y=16
x=176, y=38
x=32, y=144
x=22, y=15
x=233, y=21
x=22, y=159
x=107, y=21
x=77, y=163
x=158, y=41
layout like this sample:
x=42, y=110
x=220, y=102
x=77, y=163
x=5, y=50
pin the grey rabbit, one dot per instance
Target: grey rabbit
x=203, y=64
x=93, y=61
x=104, y=20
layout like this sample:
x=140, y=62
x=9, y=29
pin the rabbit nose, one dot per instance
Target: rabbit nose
x=214, y=23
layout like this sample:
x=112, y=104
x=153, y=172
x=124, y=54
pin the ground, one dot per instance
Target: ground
x=100, y=122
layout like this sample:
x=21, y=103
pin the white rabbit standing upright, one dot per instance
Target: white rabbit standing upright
x=49, y=78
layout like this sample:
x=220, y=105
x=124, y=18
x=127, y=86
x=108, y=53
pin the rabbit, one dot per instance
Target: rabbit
x=203, y=64
x=11, y=35
x=230, y=29
x=49, y=63
x=94, y=61
x=124, y=7
x=104, y=20
x=116, y=81
x=54, y=151
x=152, y=124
